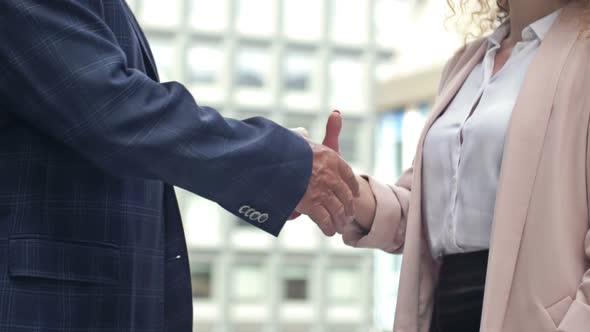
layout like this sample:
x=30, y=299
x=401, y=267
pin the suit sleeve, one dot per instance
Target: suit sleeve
x=63, y=73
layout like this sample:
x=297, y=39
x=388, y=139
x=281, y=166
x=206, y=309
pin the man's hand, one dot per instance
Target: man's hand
x=330, y=195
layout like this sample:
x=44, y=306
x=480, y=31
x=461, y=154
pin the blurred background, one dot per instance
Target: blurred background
x=379, y=62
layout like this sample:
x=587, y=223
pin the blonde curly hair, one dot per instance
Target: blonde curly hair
x=478, y=17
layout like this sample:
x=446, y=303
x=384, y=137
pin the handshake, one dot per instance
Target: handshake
x=333, y=187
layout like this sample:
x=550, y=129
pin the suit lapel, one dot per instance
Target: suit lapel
x=522, y=154
x=146, y=51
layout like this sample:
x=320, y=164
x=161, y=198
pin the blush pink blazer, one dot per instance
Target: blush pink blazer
x=538, y=274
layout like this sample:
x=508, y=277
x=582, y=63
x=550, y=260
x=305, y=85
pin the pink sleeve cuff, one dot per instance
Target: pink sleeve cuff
x=388, y=229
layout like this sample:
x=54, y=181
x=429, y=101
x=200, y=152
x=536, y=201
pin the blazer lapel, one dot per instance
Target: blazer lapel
x=440, y=106
x=415, y=266
x=451, y=89
x=522, y=153
x=146, y=51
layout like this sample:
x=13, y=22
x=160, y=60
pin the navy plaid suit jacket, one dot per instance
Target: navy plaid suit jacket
x=90, y=147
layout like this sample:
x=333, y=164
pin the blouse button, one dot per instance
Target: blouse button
x=528, y=34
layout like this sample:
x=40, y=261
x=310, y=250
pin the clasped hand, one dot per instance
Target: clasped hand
x=330, y=197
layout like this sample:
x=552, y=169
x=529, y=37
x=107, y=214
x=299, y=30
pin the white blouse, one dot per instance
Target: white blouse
x=463, y=149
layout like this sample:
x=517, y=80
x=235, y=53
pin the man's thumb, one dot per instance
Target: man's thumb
x=333, y=128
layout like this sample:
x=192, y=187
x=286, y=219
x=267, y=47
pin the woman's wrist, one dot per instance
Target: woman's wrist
x=365, y=205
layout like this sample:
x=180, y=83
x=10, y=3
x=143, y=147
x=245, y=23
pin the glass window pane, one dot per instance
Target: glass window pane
x=343, y=284
x=349, y=21
x=253, y=67
x=389, y=147
x=295, y=282
x=159, y=13
x=248, y=282
x=256, y=17
x=164, y=52
x=201, y=280
x=348, y=83
x=350, y=139
x=205, y=63
x=208, y=15
x=300, y=79
x=298, y=71
x=296, y=289
x=303, y=19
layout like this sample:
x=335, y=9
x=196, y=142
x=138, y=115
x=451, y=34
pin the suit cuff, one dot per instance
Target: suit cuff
x=268, y=202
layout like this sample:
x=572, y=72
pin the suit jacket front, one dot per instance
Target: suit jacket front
x=538, y=276
x=90, y=147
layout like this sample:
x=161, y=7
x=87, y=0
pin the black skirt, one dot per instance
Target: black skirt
x=459, y=295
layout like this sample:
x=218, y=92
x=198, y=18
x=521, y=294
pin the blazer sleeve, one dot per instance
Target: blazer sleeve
x=63, y=73
x=577, y=318
x=389, y=226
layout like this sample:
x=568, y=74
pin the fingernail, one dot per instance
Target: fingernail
x=337, y=111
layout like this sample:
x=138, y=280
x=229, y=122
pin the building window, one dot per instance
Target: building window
x=201, y=280
x=256, y=17
x=300, y=79
x=412, y=124
x=253, y=76
x=164, y=51
x=298, y=71
x=249, y=282
x=253, y=67
x=388, y=163
x=302, y=19
x=349, y=21
x=159, y=13
x=424, y=108
x=208, y=15
x=348, y=82
x=295, y=283
x=205, y=63
x=343, y=285
x=350, y=138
